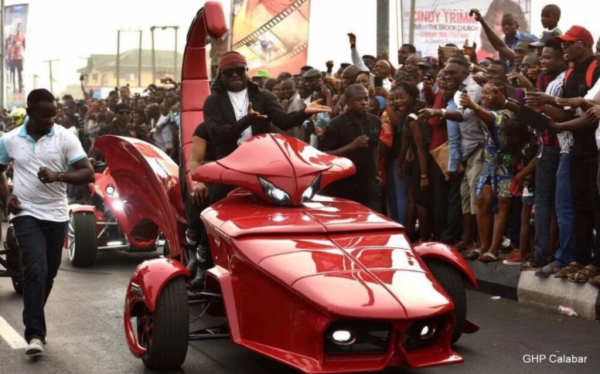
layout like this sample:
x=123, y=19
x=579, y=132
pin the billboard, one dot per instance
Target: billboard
x=438, y=22
x=271, y=34
x=15, y=31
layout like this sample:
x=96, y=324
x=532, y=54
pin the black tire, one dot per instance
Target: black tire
x=454, y=284
x=14, y=259
x=167, y=344
x=82, y=239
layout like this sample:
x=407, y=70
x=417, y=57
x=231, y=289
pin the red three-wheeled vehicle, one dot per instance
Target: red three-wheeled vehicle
x=321, y=284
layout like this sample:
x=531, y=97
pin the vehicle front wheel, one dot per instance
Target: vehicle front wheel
x=454, y=285
x=164, y=333
x=82, y=239
x=14, y=258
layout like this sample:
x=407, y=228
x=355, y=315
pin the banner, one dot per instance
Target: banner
x=15, y=30
x=271, y=34
x=438, y=22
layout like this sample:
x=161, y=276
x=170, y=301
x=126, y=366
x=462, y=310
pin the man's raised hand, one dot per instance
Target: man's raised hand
x=316, y=107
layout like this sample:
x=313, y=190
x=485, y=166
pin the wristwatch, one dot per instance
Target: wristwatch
x=443, y=113
x=61, y=177
x=423, y=176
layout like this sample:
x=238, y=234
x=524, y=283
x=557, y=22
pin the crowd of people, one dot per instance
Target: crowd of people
x=497, y=156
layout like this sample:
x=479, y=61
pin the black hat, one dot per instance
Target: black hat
x=312, y=73
x=123, y=108
x=546, y=36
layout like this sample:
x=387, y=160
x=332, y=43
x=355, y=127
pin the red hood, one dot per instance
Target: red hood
x=147, y=181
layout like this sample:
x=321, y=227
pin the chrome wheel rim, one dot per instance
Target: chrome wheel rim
x=71, y=237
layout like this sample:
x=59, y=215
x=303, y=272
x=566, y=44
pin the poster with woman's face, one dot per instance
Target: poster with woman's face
x=437, y=23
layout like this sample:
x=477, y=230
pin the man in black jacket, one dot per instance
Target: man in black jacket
x=238, y=109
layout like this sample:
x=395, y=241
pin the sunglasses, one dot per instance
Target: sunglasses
x=240, y=72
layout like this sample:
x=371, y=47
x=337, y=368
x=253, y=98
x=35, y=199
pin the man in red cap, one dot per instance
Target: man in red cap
x=579, y=79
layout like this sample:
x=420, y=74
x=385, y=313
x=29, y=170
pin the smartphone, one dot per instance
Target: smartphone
x=378, y=82
x=311, y=127
x=532, y=118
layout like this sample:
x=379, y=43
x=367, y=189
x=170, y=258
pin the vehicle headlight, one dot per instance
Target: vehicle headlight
x=276, y=194
x=110, y=189
x=312, y=190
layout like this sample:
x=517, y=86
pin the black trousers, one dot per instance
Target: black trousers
x=42, y=244
x=454, y=222
x=586, y=202
x=440, y=199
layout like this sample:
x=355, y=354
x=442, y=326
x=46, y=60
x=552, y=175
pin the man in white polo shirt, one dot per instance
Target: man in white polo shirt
x=41, y=153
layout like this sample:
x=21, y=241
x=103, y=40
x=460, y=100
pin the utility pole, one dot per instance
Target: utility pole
x=3, y=59
x=152, y=29
x=119, y=55
x=411, y=38
x=383, y=26
x=51, y=76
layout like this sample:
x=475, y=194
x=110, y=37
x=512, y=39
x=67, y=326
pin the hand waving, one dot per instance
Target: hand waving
x=316, y=107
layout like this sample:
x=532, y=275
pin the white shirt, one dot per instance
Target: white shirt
x=240, y=102
x=56, y=151
x=594, y=94
x=164, y=135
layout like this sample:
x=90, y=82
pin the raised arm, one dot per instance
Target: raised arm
x=496, y=41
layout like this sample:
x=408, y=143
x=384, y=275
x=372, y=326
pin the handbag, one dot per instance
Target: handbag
x=441, y=155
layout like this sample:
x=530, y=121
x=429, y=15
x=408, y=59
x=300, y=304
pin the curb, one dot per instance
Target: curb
x=523, y=286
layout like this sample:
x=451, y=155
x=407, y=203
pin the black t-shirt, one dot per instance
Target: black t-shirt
x=202, y=132
x=584, y=140
x=342, y=131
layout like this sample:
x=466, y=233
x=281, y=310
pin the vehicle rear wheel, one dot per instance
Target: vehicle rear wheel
x=82, y=239
x=454, y=285
x=14, y=258
x=164, y=333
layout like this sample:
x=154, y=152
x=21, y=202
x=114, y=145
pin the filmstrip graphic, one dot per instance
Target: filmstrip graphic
x=252, y=38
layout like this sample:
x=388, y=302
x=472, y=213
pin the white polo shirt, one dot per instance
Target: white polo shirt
x=56, y=151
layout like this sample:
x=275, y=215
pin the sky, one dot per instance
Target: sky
x=72, y=30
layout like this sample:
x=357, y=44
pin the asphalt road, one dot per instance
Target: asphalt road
x=85, y=333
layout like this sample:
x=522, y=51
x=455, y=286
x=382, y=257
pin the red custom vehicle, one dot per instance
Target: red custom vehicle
x=324, y=285
x=106, y=224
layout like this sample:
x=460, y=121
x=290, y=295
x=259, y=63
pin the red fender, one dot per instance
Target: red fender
x=450, y=255
x=446, y=253
x=145, y=287
x=76, y=208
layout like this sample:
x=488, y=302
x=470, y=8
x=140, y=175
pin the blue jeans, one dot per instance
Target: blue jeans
x=545, y=194
x=397, y=190
x=565, y=212
x=41, y=243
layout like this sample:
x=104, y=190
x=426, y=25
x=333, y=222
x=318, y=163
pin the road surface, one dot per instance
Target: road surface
x=85, y=333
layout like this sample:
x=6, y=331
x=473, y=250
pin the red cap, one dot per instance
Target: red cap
x=230, y=58
x=577, y=33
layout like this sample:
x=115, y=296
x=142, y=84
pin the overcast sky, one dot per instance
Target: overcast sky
x=71, y=30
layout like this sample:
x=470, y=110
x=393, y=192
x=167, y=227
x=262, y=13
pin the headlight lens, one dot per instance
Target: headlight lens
x=312, y=190
x=277, y=195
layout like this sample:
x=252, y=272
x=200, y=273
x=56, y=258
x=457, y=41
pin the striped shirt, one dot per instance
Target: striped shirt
x=554, y=88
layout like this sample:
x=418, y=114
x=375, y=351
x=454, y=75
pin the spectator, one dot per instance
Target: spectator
x=472, y=141
x=355, y=135
x=416, y=135
x=403, y=53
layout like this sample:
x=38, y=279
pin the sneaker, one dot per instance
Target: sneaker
x=514, y=261
x=547, y=271
x=506, y=246
x=35, y=348
x=532, y=264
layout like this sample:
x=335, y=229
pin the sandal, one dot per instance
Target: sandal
x=488, y=257
x=585, y=274
x=565, y=272
x=595, y=281
x=472, y=255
